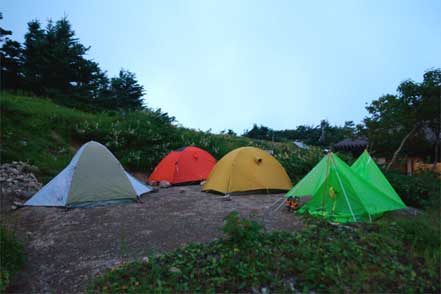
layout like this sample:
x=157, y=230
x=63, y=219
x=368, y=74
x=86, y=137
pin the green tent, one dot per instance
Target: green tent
x=93, y=177
x=341, y=195
x=367, y=169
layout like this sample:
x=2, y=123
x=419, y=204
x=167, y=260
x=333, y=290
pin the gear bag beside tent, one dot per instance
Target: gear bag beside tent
x=94, y=176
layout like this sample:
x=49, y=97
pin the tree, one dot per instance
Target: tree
x=397, y=119
x=55, y=66
x=34, y=60
x=231, y=132
x=3, y=32
x=125, y=92
x=11, y=60
x=324, y=125
x=261, y=133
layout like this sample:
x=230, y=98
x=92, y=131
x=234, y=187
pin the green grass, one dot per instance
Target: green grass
x=11, y=256
x=46, y=134
x=376, y=258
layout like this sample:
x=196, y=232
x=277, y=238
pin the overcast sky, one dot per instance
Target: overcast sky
x=229, y=64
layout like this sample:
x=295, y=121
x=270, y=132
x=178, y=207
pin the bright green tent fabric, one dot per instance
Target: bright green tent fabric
x=367, y=169
x=340, y=195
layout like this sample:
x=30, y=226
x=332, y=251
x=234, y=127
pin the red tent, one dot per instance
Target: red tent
x=188, y=164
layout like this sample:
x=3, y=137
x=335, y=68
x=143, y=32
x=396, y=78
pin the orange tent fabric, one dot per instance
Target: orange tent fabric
x=188, y=164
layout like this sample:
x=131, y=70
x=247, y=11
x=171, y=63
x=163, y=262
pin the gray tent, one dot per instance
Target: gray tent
x=94, y=176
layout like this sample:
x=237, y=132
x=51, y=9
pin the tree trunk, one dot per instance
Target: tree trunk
x=394, y=157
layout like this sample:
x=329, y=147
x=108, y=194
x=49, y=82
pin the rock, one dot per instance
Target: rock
x=225, y=198
x=145, y=259
x=27, y=194
x=13, y=170
x=164, y=184
x=17, y=183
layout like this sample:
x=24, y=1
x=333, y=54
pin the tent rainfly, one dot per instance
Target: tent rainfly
x=340, y=194
x=247, y=169
x=93, y=177
x=185, y=165
x=367, y=169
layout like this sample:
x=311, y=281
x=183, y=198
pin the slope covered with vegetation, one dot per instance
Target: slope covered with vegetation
x=46, y=134
x=378, y=258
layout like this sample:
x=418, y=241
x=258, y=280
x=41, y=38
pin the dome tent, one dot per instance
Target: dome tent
x=94, y=176
x=339, y=194
x=247, y=169
x=184, y=165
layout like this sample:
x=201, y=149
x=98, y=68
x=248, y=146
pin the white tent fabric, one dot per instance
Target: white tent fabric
x=56, y=192
x=137, y=186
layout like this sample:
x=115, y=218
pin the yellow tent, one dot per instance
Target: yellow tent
x=247, y=169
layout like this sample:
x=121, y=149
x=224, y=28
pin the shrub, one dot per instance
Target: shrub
x=11, y=256
x=422, y=190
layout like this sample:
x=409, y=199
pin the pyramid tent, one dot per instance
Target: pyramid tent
x=367, y=169
x=185, y=165
x=92, y=177
x=339, y=194
x=247, y=169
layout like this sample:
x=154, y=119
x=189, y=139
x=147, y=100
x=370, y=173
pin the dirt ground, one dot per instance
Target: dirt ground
x=67, y=247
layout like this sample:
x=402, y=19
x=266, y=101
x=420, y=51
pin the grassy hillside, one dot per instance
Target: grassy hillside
x=47, y=135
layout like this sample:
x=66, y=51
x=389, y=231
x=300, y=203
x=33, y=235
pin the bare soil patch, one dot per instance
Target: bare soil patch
x=67, y=247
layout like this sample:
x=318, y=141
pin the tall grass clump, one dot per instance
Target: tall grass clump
x=12, y=256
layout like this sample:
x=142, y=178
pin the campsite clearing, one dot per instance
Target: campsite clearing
x=67, y=247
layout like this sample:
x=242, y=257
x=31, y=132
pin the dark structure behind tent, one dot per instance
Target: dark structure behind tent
x=355, y=146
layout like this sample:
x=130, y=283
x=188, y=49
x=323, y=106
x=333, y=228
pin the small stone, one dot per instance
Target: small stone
x=145, y=259
x=153, y=183
x=164, y=184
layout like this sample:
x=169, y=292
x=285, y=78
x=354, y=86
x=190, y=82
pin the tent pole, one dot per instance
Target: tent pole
x=326, y=184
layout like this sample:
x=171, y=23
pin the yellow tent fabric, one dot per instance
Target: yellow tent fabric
x=247, y=169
